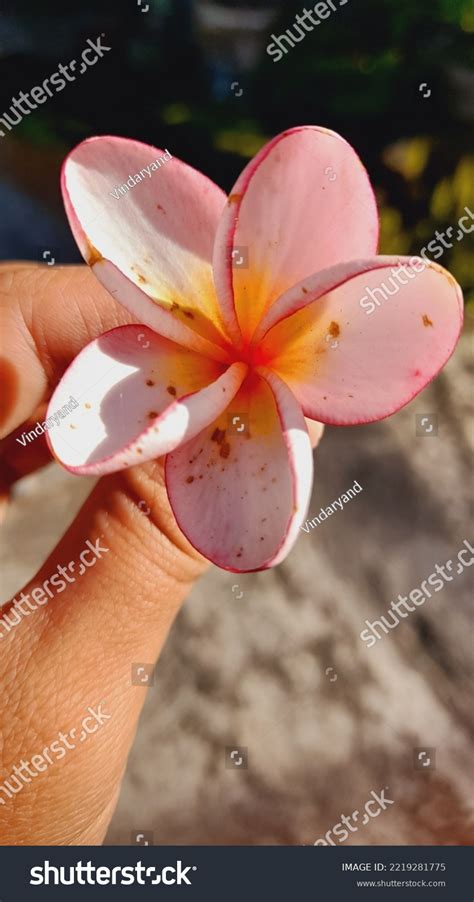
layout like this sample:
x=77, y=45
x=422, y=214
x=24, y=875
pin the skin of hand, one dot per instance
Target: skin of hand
x=77, y=650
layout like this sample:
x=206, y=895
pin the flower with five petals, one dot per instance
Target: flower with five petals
x=251, y=325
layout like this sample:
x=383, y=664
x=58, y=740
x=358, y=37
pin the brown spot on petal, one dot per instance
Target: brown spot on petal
x=149, y=382
x=159, y=207
x=190, y=479
x=141, y=279
x=189, y=314
x=225, y=449
x=426, y=320
x=234, y=198
x=304, y=290
x=92, y=254
x=171, y=390
x=88, y=406
x=218, y=436
x=334, y=329
x=152, y=415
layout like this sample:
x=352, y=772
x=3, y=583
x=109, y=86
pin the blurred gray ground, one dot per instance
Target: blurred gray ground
x=251, y=671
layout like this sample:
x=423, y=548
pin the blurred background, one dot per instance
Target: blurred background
x=272, y=664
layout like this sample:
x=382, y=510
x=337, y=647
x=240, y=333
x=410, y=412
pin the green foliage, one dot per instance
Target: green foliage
x=359, y=73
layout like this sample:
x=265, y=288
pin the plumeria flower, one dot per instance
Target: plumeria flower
x=250, y=321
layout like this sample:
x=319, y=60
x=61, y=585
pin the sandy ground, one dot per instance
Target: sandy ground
x=273, y=666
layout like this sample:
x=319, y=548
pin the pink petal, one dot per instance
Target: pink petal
x=240, y=496
x=139, y=396
x=350, y=361
x=315, y=286
x=154, y=315
x=159, y=234
x=304, y=203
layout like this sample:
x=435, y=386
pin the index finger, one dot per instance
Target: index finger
x=46, y=316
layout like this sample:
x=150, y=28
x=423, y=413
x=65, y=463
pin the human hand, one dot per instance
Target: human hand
x=75, y=650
